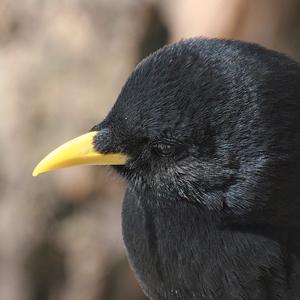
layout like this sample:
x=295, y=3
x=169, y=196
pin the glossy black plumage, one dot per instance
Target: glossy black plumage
x=212, y=209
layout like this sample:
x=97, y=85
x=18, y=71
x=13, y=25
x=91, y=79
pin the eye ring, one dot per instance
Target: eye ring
x=163, y=149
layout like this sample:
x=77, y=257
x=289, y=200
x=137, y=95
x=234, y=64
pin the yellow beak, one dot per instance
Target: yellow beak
x=79, y=151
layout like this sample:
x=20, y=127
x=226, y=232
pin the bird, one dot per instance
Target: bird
x=206, y=134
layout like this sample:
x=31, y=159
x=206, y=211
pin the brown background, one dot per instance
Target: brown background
x=62, y=65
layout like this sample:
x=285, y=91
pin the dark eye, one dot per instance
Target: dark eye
x=163, y=149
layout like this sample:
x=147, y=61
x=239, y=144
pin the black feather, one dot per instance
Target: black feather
x=217, y=214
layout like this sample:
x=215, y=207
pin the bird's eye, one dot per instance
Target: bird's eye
x=163, y=149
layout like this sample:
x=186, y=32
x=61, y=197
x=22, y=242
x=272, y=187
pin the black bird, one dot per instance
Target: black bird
x=206, y=132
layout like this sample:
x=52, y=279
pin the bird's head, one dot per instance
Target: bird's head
x=184, y=124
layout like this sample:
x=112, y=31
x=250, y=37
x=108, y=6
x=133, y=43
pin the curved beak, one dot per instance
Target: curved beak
x=79, y=151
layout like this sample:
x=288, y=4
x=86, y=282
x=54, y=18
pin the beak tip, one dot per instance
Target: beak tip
x=36, y=172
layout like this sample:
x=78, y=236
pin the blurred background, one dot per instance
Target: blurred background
x=62, y=65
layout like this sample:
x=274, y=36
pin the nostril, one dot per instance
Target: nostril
x=103, y=140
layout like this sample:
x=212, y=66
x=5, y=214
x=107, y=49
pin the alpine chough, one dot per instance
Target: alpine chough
x=206, y=132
